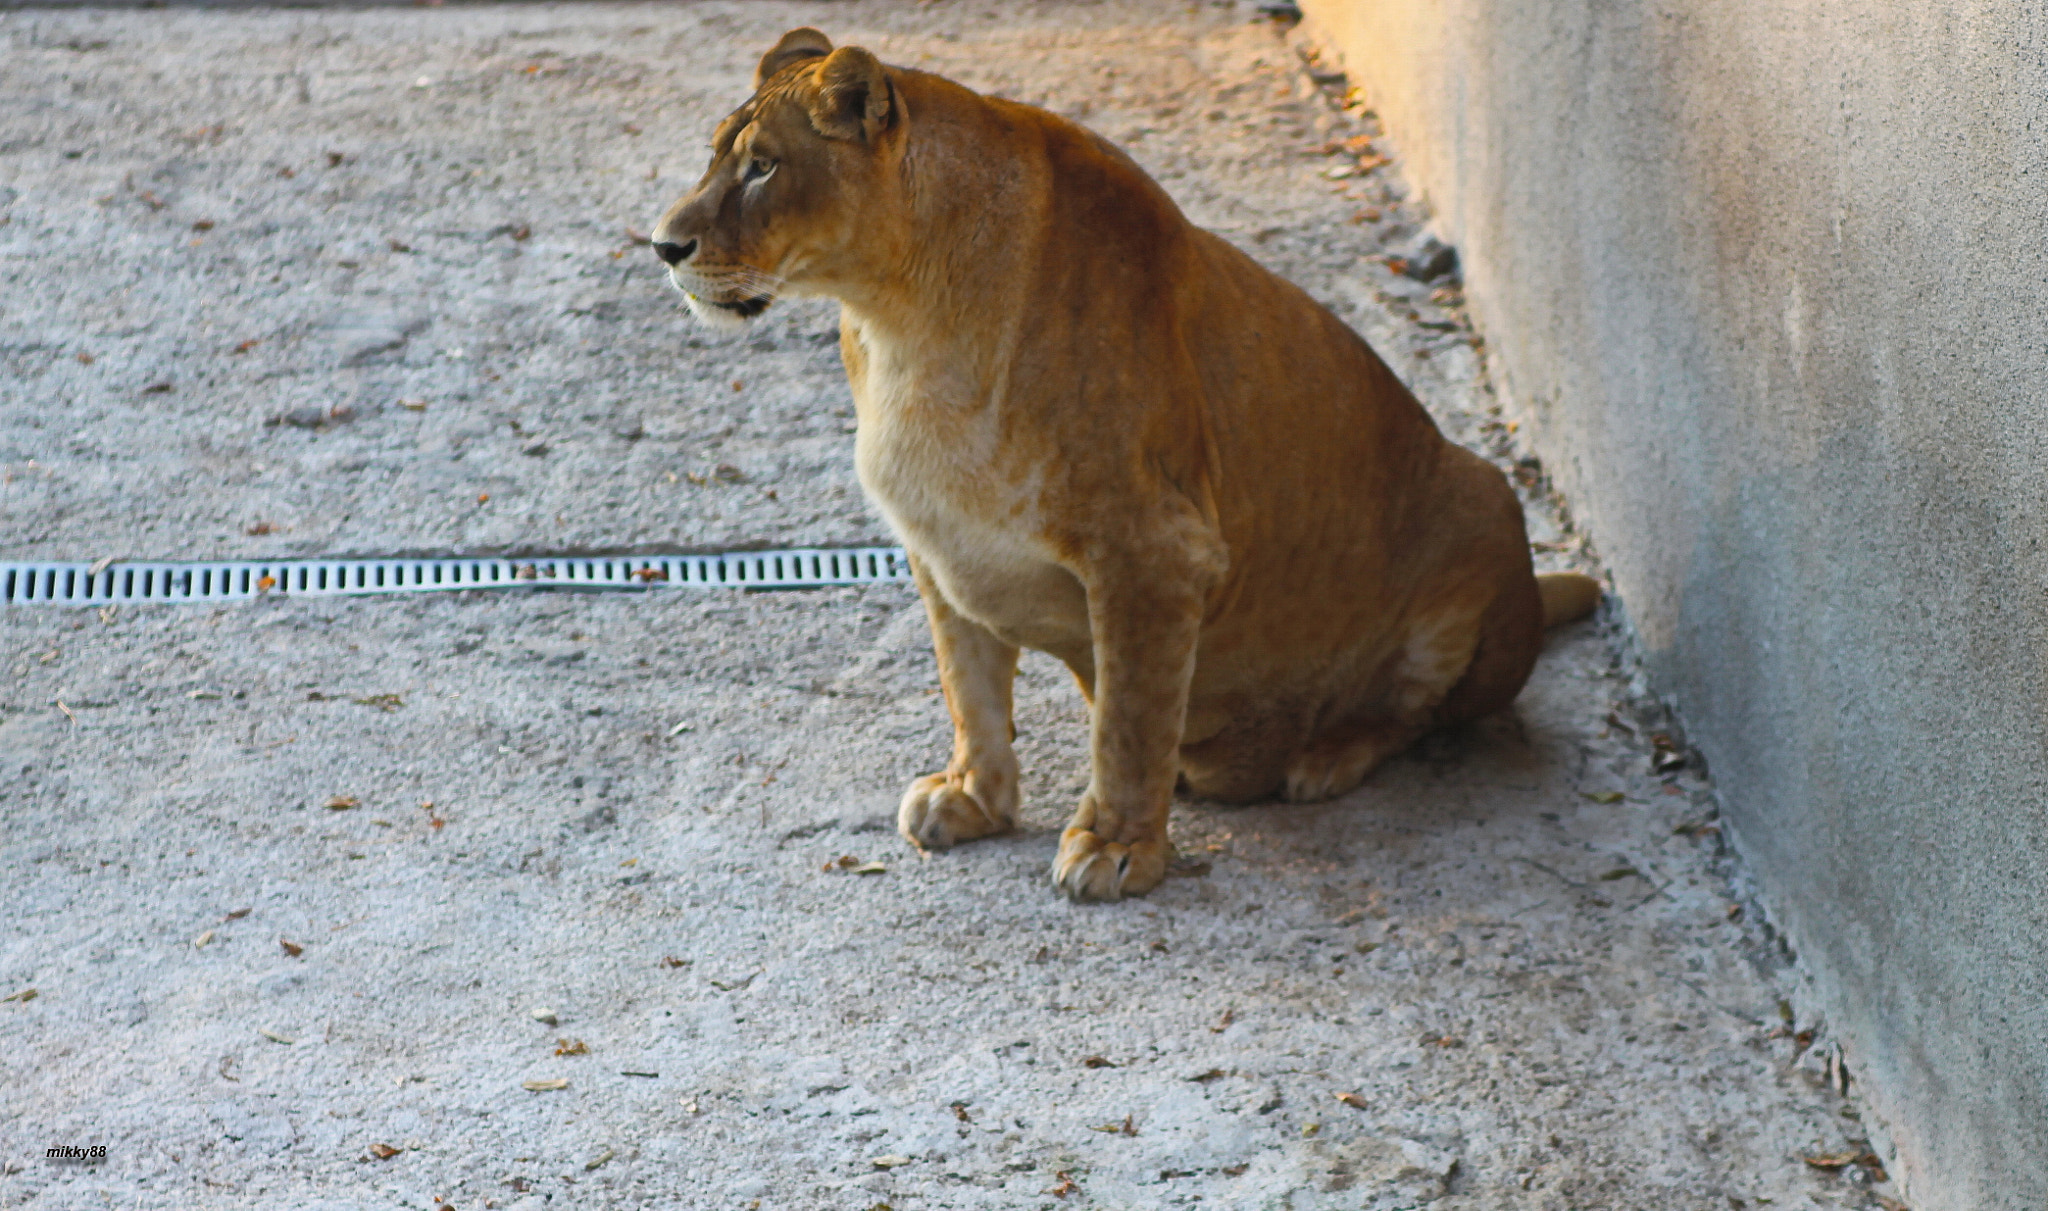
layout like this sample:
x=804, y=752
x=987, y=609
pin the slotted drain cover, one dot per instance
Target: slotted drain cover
x=91, y=584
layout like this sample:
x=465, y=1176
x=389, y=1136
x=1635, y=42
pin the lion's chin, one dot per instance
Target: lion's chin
x=729, y=317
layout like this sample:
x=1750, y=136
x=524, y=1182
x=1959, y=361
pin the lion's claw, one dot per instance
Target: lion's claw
x=941, y=809
x=1089, y=868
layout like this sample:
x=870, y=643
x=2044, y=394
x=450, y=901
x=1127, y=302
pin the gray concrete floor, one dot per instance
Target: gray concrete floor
x=361, y=281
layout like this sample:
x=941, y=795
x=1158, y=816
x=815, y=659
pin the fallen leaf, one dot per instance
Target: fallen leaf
x=265, y=583
x=384, y=1152
x=672, y=961
x=86, y=359
x=204, y=695
x=960, y=1112
x=291, y=948
x=870, y=868
x=1310, y=1129
x=1604, y=796
x=1223, y=1023
x=199, y=943
x=891, y=1161
x=1203, y=1078
x=846, y=860
x=1067, y=1186
x=342, y=803
x=648, y=576
x=1235, y=1170
x=571, y=1047
x=1352, y=1100
x=163, y=388
x=238, y=914
x=383, y=702
x=545, y=1016
x=24, y=996
x=1096, y=1061
x=549, y=1085
x=1620, y=872
x=1834, y=1160
x=597, y=1162
x=679, y=729
x=275, y=1037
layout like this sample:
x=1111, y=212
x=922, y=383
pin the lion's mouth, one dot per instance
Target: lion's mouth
x=746, y=308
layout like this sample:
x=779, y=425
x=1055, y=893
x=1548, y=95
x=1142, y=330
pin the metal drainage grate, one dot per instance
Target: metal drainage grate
x=94, y=584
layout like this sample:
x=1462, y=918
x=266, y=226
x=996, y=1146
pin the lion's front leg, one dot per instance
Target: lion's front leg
x=976, y=794
x=1145, y=623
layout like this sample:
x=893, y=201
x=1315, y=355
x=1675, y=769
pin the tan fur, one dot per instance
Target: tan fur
x=1108, y=435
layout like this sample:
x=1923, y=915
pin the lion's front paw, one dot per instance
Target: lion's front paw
x=941, y=809
x=1090, y=868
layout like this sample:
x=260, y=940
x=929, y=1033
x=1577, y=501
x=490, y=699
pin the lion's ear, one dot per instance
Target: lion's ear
x=854, y=99
x=802, y=43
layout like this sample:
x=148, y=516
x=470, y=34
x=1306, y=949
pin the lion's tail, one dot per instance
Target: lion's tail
x=1567, y=596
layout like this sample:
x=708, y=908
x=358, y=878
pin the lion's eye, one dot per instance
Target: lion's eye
x=758, y=170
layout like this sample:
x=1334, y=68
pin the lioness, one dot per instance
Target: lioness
x=1106, y=434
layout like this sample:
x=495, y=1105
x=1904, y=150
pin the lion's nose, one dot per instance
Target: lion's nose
x=674, y=254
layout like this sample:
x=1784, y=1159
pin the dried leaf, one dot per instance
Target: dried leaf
x=547, y=1085
x=1223, y=1023
x=1096, y=1061
x=1605, y=796
x=199, y=943
x=24, y=996
x=544, y=1015
x=1834, y=1160
x=384, y=1152
x=960, y=1112
x=571, y=1047
x=1352, y=1100
x=671, y=961
x=275, y=1037
x=890, y=1162
x=597, y=1162
x=383, y=702
x=1203, y=1078
x=342, y=803
x=291, y=948
x=238, y=914
x=870, y=868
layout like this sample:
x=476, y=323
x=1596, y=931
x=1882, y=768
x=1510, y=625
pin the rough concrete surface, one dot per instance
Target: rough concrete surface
x=1766, y=285
x=292, y=880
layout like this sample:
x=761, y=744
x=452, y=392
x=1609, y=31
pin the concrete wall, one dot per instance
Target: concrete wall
x=1769, y=281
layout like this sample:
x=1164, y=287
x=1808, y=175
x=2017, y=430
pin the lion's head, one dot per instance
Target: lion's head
x=777, y=213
